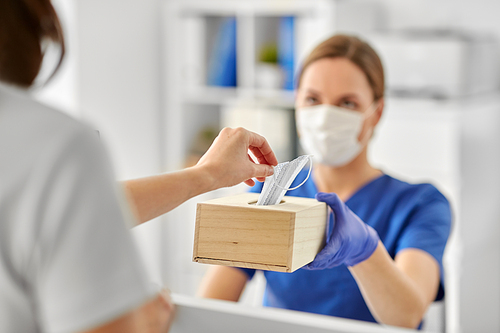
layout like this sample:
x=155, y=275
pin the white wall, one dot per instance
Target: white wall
x=119, y=91
x=119, y=79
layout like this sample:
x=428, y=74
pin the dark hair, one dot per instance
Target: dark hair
x=357, y=51
x=24, y=24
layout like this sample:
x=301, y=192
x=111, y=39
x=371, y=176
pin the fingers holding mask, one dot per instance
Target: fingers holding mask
x=261, y=149
x=229, y=162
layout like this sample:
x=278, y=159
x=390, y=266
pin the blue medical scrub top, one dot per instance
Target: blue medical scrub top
x=404, y=216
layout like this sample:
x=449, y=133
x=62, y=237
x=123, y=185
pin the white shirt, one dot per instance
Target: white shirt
x=67, y=260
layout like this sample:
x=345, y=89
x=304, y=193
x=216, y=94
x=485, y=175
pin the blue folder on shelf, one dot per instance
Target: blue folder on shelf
x=286, y=50
x=222, y=61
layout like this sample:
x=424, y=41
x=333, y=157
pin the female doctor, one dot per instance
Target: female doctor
x=383, y=257
x=67, y=261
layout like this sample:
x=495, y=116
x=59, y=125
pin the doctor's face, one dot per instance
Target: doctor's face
x=334, y=81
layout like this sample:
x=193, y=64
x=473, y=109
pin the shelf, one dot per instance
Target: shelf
x=256, y=7
x=223, y=95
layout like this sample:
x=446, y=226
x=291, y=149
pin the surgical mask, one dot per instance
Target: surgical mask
x=330, y=133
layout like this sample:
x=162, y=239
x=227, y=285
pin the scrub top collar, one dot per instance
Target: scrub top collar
x=361, y=189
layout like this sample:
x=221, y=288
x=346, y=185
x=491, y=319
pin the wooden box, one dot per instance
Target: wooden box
x=233, y=231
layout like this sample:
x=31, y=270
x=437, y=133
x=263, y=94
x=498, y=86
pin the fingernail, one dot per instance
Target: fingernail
x=270, y=171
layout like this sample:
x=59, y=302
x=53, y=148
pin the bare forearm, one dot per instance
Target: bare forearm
x=223, y=282
x=226, y=163
x=392, y=296
x=153, y=196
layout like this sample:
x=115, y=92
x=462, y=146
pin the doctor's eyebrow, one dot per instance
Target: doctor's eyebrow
x=312, y=91
x=349, y=95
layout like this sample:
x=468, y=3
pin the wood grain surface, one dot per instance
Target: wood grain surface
x=233, y=231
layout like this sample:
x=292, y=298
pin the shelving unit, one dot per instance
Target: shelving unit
x=190, y=33
x=218, y=95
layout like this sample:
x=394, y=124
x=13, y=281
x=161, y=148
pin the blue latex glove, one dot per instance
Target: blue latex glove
x=351, y=240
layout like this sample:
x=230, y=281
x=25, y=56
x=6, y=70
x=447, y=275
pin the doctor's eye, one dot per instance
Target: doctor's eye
x=349, y=105
x=311, y=100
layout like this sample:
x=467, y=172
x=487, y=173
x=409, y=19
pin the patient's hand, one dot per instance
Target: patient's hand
x=155, y=316
x=229, y=162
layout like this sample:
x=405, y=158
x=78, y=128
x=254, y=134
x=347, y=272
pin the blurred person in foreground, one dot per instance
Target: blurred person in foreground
x=67, y=260
x=382, y=261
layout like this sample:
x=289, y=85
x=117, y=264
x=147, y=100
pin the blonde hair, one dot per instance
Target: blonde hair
x=357, y=51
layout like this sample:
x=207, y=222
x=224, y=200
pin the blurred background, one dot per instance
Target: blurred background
x=160, y=78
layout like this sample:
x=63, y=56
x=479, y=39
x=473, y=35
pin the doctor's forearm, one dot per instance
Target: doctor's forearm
x=392, y=297
x=153, y=196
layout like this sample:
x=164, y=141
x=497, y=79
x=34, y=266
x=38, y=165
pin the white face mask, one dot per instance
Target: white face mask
x=330, y=133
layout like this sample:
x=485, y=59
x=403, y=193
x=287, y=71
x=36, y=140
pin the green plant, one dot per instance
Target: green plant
x=269, y=53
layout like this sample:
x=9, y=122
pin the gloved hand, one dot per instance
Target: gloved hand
x=351, y=240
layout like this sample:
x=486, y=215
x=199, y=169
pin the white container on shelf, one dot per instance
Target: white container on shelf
x=274, y=123
x=437, y=64
x=268, y=76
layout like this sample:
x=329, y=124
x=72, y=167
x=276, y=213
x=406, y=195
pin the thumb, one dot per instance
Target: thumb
x=331, y=199
x=262, y=170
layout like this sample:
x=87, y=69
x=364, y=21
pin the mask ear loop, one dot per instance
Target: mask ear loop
x=303, y=182
x=370, y=113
